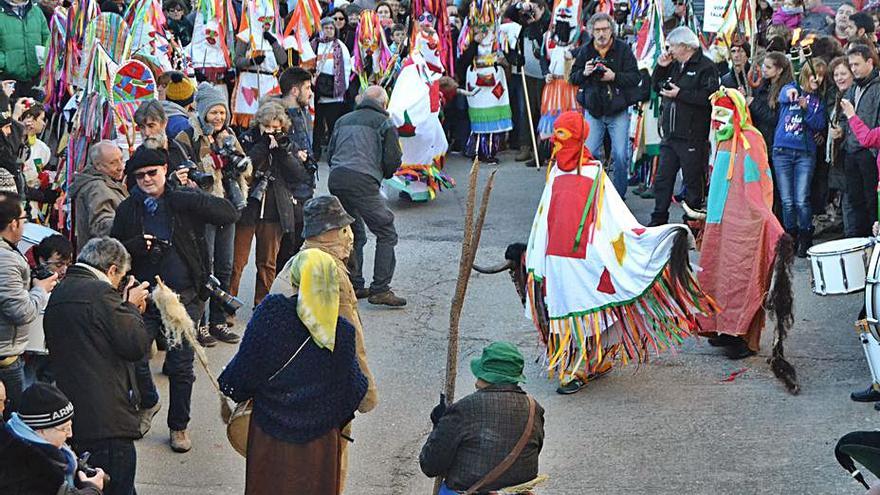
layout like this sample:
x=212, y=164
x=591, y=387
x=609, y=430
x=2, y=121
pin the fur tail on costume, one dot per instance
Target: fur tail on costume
x=780, y=302
x=178, y=326
x=679, y=261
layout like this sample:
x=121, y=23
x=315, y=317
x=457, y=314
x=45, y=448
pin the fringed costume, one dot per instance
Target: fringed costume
x=486, y=85
x=744, y=246
x=210, y=50
x=372, y=57
x=256, y=81
x=600, y=285
x=414, y=108
x=559, y=95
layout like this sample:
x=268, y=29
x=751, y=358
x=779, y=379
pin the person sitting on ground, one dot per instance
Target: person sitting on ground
x=36, y=458
x=472, y=437
x=298, y=362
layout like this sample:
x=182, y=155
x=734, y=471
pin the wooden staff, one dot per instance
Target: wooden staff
x=522, y=72
x=469, y=245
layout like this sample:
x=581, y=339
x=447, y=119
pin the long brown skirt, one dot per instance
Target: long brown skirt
x=275, y=467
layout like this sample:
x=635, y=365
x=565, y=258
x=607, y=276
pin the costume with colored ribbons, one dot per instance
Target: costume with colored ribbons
x=745, y=254
x=600, y=285
x=559, y=95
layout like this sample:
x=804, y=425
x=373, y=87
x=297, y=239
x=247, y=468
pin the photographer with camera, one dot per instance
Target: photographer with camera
x=163, y=227
x=273, y=210
x=605, y=70
x=219, y=166
x=95, y=334
x=152, y=122
x=36, y=458
x=685, y=78
x=22, y=298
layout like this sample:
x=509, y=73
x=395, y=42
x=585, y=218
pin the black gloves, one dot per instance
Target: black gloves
x=258, y=59
x=269, y=37
x=439, y=410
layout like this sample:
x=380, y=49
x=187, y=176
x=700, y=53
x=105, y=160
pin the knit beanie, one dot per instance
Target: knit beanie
x=7, y=182
x=180, y=90
x=43, y=406
x=208, y=97
x=145, y=157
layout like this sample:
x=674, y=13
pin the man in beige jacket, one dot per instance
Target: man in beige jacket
x=326, y=226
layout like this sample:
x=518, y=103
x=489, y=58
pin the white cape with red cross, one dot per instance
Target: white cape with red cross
x=613, y=262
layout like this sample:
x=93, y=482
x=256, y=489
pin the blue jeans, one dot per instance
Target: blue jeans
x=221, y=243
x=618, y=129
x=117, y=457
x=12, y=377
x=793, y=170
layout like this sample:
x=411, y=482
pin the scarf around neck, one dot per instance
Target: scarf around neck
x=338, y=67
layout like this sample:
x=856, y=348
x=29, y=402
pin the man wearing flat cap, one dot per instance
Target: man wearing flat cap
x=326, y=226
x=473, y=438
x=163, y=228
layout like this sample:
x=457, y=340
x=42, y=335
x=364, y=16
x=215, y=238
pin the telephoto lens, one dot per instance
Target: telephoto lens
x=230, y=303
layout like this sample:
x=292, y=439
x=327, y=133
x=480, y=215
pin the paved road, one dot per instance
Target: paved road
x=668, y=427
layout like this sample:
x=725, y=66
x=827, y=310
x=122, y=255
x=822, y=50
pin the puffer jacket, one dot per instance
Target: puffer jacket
x=365, y=141
x=200, y=148
x=19, y=303
x=19, y=37
x=867, y=108
x=95, y=197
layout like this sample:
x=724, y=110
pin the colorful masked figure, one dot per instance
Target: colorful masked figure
x=257, y=82
x=414, y=108
x=600, y=285
x=372, y=58
x=742, y=240
x=208, y=50
x=147, y=38
x=559, y=95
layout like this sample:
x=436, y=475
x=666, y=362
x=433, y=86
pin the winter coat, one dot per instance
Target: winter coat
x=867, y=108
x=19, y=37
x=19, y=303
x=199, y=148
x=95, y=197
x=789, y=19
x=365, y=141
x=606, y=98
x=764, y=117
x=687, y=116
x=868, y=137
x=477, y=433
x=190, y=210
x=29, y=468
x=797, y=126
x=178, y=119
x=286, y=171
x=95, y=338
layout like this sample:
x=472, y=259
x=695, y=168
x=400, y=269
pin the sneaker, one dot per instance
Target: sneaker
x=525, y=154
x=489, y=160
x=222, y=333
x=180, y=441
x=867, y=395
x=205, y=338
x=738, y=350
x=362, y=293
x=387, y=298
x=530, y=163
x=571, y=387
x=723, y=340
x=146, y=418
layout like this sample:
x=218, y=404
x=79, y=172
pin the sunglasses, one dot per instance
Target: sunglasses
x=337, y=18
x=148, y=173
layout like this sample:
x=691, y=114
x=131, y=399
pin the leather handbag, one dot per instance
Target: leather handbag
x=240, y=421
x=508, y=461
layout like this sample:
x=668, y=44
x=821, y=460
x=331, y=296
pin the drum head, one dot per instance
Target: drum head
x=33, y=234
x=840, y=246
x=237, y=428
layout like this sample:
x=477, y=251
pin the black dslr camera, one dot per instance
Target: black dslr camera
x=599, y=63
x=235, y=163
x=230, y=303
x=82, y=464
x=41, y=272
x=202, y=179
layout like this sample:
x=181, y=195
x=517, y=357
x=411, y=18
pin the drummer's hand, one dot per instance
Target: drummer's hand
x=875, y=229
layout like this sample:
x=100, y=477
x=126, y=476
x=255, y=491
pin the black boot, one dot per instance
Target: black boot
x=867, y=395
x=738, y=350
x=805, y=242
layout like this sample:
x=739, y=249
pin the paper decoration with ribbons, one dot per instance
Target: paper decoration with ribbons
x=110, y=31
x=133, y=82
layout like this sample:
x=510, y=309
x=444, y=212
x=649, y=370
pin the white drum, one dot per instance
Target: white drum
x=839, y=266
x=33, y=234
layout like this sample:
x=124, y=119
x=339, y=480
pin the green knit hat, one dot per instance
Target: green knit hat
x=501, y=362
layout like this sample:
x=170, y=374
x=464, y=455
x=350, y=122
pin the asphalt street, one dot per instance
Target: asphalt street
x=671, y=426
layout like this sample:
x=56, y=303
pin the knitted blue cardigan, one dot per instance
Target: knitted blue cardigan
x=318, y=391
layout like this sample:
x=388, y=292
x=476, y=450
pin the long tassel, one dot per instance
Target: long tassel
x=781, y=305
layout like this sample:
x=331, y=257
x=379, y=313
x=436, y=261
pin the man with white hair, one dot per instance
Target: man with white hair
x=685, y=78
x=97, y=192
x=363, y=151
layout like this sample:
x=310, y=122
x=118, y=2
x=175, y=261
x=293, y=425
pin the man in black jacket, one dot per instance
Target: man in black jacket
x=607, y=74
x=364, y=150
x=685, y=78
x=164, y=230
x=95, y=334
